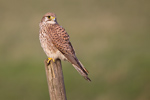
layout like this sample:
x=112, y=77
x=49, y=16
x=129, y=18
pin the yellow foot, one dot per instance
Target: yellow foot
x=49, y=59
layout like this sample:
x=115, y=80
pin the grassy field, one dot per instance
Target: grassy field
x=111, y=39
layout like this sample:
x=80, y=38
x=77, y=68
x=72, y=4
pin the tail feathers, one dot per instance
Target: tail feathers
x=80, y=68
x=84, y=67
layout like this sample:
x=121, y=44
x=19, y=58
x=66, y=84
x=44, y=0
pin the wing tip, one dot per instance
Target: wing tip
x=82, y=72
x=87, y=78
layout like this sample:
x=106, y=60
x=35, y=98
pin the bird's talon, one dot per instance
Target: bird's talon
x=49, y=59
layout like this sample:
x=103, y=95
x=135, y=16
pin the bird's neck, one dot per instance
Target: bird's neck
x=51, y=22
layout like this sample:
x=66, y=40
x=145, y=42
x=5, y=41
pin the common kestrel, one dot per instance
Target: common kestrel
x=55, y=43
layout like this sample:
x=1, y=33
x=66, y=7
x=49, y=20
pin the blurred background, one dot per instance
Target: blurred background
x=111, y=39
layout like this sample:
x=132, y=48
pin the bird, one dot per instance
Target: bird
x=56, y=43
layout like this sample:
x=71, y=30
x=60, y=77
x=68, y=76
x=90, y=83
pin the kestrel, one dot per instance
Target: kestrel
x=55, y=43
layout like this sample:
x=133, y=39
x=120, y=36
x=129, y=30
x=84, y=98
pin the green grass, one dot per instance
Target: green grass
x=111, y=38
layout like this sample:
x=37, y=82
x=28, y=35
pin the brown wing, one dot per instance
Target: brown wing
x=60, y=39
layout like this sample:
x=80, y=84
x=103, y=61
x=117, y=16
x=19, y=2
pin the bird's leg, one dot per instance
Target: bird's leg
x=48, y=62
x=49, y=59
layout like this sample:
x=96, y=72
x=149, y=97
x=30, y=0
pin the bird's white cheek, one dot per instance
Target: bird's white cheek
x=51, y=22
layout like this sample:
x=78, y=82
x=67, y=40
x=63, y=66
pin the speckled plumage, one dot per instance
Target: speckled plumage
x=55, y=43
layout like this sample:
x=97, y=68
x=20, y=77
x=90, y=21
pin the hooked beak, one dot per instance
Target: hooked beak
x=53, y=18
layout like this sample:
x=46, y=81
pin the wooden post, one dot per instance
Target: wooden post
x=55, y=80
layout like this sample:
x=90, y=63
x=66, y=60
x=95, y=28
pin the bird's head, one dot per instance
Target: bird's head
x=49, y=18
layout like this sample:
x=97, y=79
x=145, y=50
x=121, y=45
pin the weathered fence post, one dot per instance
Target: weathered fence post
x=55, y=80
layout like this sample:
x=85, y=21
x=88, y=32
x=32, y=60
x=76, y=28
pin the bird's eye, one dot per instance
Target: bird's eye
x=49, y=17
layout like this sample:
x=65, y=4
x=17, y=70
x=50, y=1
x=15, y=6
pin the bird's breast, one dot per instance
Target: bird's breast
x=49, y=48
